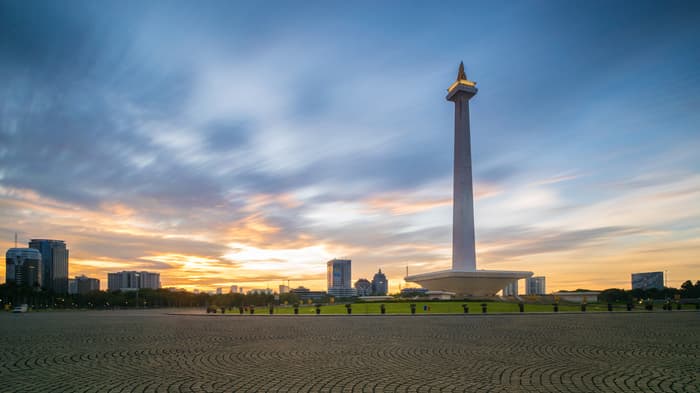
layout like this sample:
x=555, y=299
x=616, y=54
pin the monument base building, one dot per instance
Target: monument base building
x=479, y=283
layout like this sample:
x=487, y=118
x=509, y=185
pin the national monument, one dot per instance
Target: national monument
x=464, y=279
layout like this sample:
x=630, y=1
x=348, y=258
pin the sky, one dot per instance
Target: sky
x=247, y=143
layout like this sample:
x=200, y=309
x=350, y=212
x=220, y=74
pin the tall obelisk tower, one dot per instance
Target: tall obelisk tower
x=463, y=249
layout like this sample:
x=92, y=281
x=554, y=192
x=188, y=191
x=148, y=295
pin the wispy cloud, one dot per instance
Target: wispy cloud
x=218, y=146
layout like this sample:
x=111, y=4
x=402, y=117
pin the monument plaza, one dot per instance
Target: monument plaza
x=151, y=351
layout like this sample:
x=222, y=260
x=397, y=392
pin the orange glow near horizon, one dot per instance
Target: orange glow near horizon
x=254, y=252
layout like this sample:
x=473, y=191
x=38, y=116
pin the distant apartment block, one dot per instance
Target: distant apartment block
x=535, y=286
x=82, y=285
x=72, y=286
x=511, y=289
x=54, y=261
x=132, y=280
x=650, y=280
x=283, y=289
x=23, y=267
x=234, y=289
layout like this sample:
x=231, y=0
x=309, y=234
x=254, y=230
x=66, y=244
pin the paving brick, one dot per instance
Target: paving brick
x=131, y=351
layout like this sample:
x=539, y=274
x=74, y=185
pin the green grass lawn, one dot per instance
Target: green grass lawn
x=434, y=308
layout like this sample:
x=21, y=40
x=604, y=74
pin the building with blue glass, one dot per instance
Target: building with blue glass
x=54, y=261
x=23, y=267
x=339, y=278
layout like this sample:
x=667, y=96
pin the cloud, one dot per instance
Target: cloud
x=217, y=145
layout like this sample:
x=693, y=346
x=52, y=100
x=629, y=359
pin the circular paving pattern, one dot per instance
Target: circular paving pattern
x=149, y=351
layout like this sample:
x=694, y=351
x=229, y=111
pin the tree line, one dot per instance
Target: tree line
x=11, y=294
x=688, y=290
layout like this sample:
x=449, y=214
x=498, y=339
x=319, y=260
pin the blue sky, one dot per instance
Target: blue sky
x=224, y=143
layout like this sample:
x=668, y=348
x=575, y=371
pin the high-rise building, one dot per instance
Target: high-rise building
x=363, y=287
x=234, y=289
x=535, y=286
x=85, y=285
x=380, y=285
x=283, y=289
x=219, y=291
x=23, y=267
x=511, y=289
x=132, y=280
x=339, y=278
x=54, y=261
x=650, y=280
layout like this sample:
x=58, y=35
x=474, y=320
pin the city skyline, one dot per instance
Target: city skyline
x=251, y=150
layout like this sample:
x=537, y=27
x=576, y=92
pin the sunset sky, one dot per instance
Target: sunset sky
x=221, y=143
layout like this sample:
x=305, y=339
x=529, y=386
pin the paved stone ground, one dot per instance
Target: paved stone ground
x=129, y=351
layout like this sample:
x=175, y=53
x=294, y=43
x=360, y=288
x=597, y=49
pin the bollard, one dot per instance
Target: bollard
x=668, y=306
x=583, y=307
x=521, y=307
x=630, y=306
x=609, y=306
x=483, y=308
x=252, y=310
x=382, y=309
x=223, y=310
x=240, y=309
x=318, y=309
x=556, y=307
x=296, y=309
x=349, y=308
x=272, y=309
x=413, y=308
x=465, y=307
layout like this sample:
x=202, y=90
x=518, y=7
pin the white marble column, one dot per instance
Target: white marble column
x=463, y=248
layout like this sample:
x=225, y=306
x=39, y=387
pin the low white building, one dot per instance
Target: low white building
x=577, y=297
